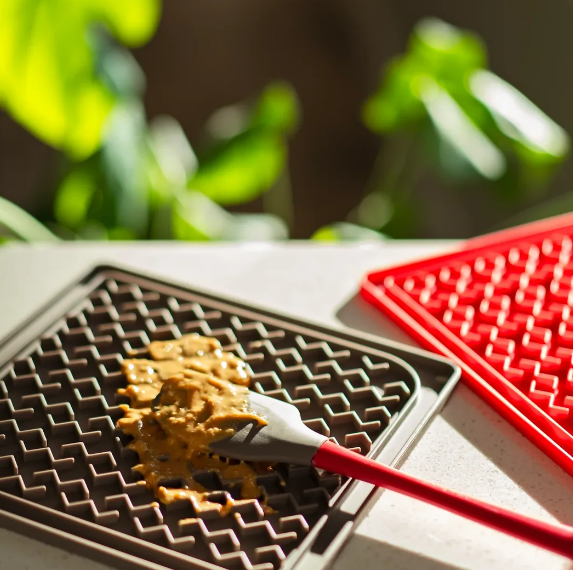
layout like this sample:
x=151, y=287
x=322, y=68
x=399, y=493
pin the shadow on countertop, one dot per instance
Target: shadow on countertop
x=370, y=554
x=356, y=313
x=510, y=451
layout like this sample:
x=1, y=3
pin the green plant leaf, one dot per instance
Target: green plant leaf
x=277, y=109
x=117, y=68
x=343, y=231
x=444, y=51
x=123, y=161
x=93, y=230
x=22, y=224
x=74, y=196
x=132, y=22
x=198, y=218
x=463, y=120
x=248, y=150
x=111, y=190
x=463, y=144
x=326, y=233
x=395, y=105
x=171, y=160
x=242, y=169
x=519, y=119
x=437, y=51
x=374, y=211
x=120, y=234
x=47, y=78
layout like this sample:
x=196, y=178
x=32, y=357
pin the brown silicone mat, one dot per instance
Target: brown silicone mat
x=64, y=465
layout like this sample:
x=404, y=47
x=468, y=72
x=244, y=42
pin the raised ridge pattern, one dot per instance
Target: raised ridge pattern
x=58, y=406
x=512, y=308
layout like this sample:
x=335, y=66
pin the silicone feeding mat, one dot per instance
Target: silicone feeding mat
x=502, y=306
x=66, y=473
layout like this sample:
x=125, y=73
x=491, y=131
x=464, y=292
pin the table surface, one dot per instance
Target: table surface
x=468, y=447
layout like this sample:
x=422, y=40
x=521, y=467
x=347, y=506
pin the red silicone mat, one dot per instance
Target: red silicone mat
x=502, y=307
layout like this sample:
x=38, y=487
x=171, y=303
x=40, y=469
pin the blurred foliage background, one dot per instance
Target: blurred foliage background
x=69, y=77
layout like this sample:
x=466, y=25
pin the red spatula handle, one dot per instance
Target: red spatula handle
x=337, y=459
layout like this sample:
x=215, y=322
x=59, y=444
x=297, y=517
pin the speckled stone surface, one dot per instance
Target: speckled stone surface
x=468, y=447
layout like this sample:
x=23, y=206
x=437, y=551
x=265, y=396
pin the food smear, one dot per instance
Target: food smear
x=187, y=395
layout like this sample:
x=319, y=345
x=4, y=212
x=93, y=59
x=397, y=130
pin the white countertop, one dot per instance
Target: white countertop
x=468, y=447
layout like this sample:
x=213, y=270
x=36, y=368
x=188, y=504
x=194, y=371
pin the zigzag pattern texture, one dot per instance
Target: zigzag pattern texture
x=58, y=407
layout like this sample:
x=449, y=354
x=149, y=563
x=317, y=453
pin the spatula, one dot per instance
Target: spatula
x=287, y=439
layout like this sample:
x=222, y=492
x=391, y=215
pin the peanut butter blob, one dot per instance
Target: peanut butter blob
x=189, y=394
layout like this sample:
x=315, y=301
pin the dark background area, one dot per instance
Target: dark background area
x=209, y=54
